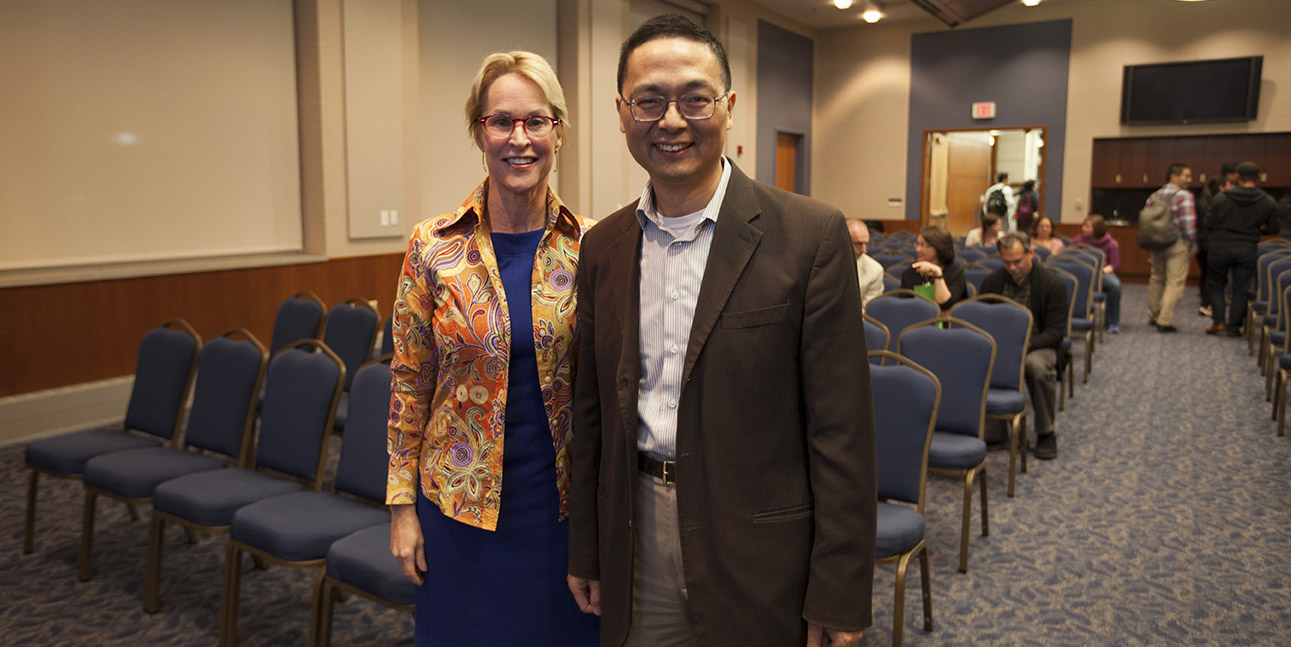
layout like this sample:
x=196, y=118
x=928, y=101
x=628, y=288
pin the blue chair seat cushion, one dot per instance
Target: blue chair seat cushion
x=899, y=529
x=363, y=561
x=1100, y=297
x=136, y=473
x=1284, y=362
x=1259, y=306
x=301, y=526
x=950, y=451
x=1081, y=324
x=1276, y=337
x=1005, y=402
x=210, y=498
x=1270, y=320
x=68, y=453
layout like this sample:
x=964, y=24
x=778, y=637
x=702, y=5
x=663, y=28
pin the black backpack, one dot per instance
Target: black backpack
x=1157, y=229
x=996, y=203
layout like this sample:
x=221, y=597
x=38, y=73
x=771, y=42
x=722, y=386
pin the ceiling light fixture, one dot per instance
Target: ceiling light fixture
x=843, y=4
x=1030, y=3
x=871, y=14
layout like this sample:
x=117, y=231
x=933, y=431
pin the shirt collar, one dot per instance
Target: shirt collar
x=468, y=215
x=648, y=212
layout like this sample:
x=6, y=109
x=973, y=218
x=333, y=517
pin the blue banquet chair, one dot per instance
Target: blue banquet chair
x=296, y=529
x=164, y=371
x=359, y=564
x=897, y=309
x=1084, y=319
x=1009, y=324
x=218, y=432
x=906, y=400
x=961, y=356
x=300, y=316
x=301, y=392
x=351, y=333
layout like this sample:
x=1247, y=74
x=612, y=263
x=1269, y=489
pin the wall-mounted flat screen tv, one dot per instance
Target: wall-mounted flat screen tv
x=1191, y=91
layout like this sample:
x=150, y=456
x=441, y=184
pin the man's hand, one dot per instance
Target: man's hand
x=406, y=543
x=818, y=636
x=587, y=594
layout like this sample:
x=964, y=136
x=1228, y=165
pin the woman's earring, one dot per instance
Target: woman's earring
x=484, y=163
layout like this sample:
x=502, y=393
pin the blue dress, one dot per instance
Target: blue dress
x=507, y=587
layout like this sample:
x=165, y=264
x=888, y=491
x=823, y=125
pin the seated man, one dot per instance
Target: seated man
x=1044, y=294
x=868, y=271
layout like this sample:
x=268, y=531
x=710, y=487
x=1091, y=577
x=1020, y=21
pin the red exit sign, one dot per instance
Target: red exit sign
x=984, y=110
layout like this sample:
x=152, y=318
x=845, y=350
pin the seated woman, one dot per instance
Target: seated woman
x=936, y=267
x=1042, y=235
x=1094, y=232
x=986, y=234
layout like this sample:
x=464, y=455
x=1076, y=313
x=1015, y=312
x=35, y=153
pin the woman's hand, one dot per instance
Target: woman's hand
x=406, y=543
x=927, y=269
x=1107, y=269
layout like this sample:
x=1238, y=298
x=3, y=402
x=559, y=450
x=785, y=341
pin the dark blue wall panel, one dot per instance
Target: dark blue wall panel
x=1022, y=68
x=784, y=98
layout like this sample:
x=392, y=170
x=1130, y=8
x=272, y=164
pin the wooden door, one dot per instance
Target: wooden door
x=968, y=175
x=786, y=161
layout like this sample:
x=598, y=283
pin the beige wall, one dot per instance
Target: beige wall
x=424, y=163
x=863, y=86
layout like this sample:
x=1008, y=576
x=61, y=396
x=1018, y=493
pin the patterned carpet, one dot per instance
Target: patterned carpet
x=1166, y=520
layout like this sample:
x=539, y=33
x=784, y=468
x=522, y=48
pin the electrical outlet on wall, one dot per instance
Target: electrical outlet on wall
x=385, y=218
x=394, y=217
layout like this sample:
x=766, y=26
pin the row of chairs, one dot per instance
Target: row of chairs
x=1080, y=268
x=1267, y=312
x=264, y=485
x=935, y=384
x=932, y=396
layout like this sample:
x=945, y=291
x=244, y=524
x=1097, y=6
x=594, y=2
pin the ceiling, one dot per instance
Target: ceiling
x=822, y=14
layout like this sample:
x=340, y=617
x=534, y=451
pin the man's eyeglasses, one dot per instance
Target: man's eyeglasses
x=694, y=107
x=501, y=126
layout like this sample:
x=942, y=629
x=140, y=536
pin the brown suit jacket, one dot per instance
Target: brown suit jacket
x=775, y=435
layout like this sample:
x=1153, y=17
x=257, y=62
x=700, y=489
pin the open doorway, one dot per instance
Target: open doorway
x=959, y=165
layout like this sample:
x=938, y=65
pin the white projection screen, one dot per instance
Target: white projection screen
x=144, y=130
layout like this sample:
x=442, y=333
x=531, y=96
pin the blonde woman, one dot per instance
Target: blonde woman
x=480, y=414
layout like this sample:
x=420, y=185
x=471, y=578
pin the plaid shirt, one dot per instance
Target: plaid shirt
x=452, y=340
x=1183, y=210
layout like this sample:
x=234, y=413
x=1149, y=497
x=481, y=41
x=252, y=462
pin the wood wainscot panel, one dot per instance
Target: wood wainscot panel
x=71, y=333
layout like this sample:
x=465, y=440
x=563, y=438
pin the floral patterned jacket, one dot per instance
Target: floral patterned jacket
x=452, y=340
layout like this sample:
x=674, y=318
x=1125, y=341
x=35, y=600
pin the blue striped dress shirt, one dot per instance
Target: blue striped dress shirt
x=674, y=253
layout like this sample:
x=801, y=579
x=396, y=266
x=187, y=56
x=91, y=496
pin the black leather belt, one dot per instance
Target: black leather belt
x=665, y=471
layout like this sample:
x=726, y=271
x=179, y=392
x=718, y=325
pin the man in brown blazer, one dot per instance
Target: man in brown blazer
x=723, y=480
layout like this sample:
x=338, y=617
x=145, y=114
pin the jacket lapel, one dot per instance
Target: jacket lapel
x=734, y=240
x=625, y=267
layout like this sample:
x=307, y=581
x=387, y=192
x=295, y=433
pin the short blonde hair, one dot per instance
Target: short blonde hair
x=527, y=64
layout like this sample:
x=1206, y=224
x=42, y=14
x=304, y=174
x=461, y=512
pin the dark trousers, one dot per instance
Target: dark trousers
x=1242, y=262
x=1202, y=253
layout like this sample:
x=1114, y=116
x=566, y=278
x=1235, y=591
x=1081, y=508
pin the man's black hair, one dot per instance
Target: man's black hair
x=671, y=25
